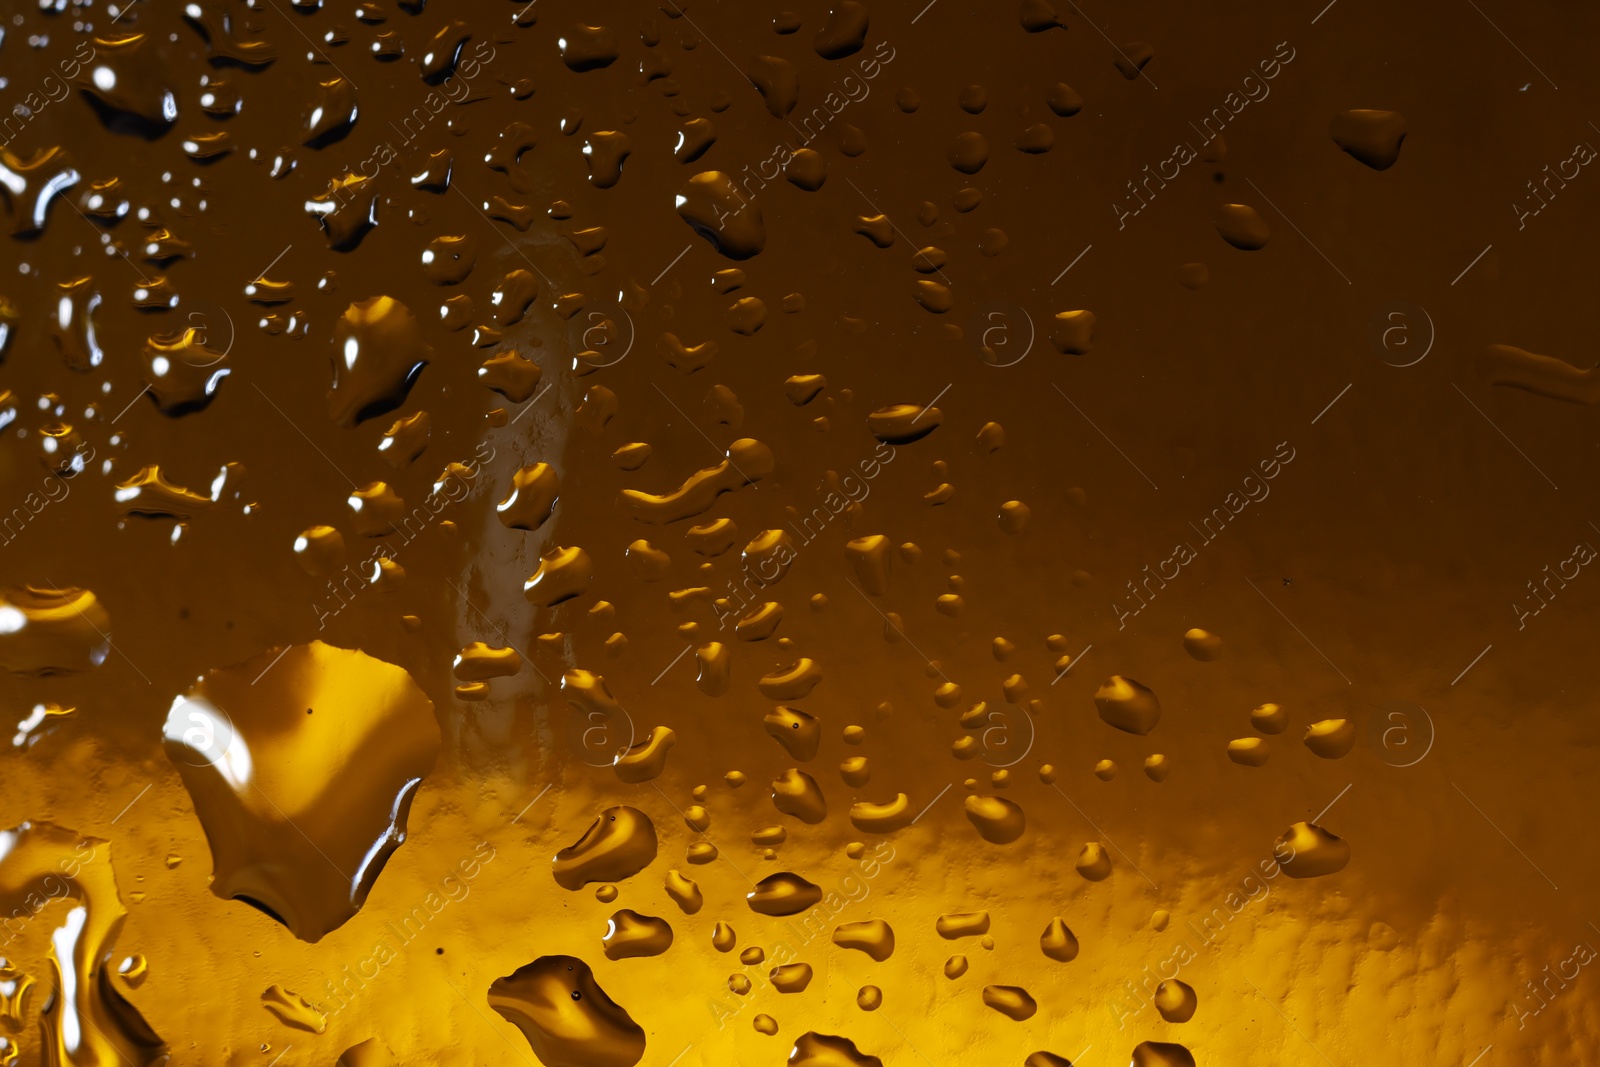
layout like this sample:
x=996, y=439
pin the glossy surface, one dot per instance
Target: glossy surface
x=834, y=533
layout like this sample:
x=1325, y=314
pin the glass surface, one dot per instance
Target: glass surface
x=595, y=534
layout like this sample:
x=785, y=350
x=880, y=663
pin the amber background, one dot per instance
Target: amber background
x=1407, y=522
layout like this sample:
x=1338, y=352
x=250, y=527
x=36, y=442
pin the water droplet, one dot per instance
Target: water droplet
x=619, y=844
x=565, y=1015
x=1373, y=137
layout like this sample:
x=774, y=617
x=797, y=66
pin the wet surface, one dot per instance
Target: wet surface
x=834, y=533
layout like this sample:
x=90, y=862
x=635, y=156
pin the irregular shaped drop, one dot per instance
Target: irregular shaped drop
x=794, y=792
x=791, y=977
x=377, y=508
x=1544, y=376
x=799, y=733
x=513, y=296
x=1331, y=738
x=1038, y=16
x=844, y=32
x=646, y=759
x=1014, y=515
x=585, y=48
x=1132, y=57
x=824, y=1050
x=511, y=375
x=998, y=820
x=882, y=818
x=1094, y=862
x=449, y=258
x=563, y=573
x=1046, y=1059
x=1242, y=227
x=962, y=924
x=1161, y=1054
x=1269, y=719
x=479, y=662
x=760, y=623
x=791, y=683
x=694, y=140
x=807, y=169
x=619, y=844
x=218, y=27
x=319, y=550
x=1203, y=645
x=872, y=936
x=73, y=326
x=532, y=500
x=685, y=893
x=331, y=114
x=86, y=1022
x=1012, y=1001
x=748, y=461
x=1175, y=1000
x=1127, y=705
x=969, y=152
x=784, y=893
x=406, y=439
x=124, y=83
x=52, y=631
x=649, y=563
x=1306, y=850
x=801, y=389
x=769, y=555
x=630, y=935
x=714, y=660
x=768, y=835
x=347, y=210
x=632, y=456
x=775, y=79
x=1057, y=942
x=746, y=316
x=901, y=424
x=933, y=297
x=378, y=352
x=1064, y=100
x=715, y=209
x=1072, y=332
x=1249, y=751
x=181, y=372
x=1373, y=137
x=368, y=1053
x=148, y=494
x=565, y=1015
x=877, y=229
x=1036, y=139
x=290, y=799
x=293, y=1010
x=686, y=359
x=27, y=186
